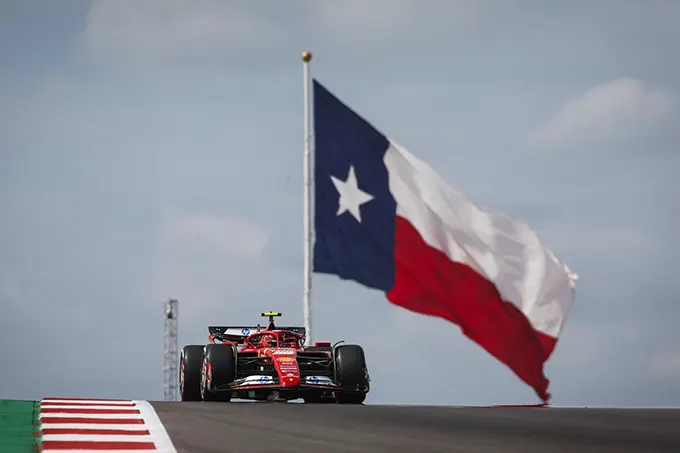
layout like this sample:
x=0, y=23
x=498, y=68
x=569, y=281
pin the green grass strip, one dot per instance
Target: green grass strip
x=18, y=432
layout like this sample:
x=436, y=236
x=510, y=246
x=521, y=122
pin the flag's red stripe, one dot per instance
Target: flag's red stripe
x=80, y=410
x=92, y=421
x=84, y=404
x=96, y=431
x=95, y=445
x=428, y=282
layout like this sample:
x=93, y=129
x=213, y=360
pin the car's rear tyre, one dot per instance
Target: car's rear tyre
x=190, y=373
x=351, y=373
x=218, y=369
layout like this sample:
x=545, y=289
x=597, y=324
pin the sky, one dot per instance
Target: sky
x=153, y=149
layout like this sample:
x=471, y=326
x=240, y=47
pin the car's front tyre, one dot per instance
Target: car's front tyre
x=218, y=368
x=351, y=373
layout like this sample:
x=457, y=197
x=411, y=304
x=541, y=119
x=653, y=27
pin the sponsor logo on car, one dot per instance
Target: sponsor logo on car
x=257, y=379
x=284, y=351
x=318, y=380
x=285, y=359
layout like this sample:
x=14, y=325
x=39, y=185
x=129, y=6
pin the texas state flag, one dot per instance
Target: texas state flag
x=386, y=220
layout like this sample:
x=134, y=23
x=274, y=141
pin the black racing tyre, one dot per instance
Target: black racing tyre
x=190, y=373
x=221, y=371
x=352, y=373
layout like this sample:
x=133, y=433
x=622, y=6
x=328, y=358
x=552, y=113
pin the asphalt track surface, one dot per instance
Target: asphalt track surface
x=287, y=427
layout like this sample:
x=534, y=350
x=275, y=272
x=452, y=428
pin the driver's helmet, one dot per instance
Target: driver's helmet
x=268, y=341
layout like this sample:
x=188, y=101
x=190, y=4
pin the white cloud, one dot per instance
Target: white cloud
x=613, y=111
x=213, y=264
x=214, y=30
x=203, y=258
x=226, y=235
x=168, y=29
x=381, y=21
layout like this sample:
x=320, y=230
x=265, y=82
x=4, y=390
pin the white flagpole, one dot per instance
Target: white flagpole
x=306, y=58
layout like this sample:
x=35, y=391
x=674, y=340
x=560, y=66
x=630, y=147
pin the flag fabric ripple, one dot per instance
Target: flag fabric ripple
x=386, y=220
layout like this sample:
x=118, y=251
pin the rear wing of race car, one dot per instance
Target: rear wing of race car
x=238, y=334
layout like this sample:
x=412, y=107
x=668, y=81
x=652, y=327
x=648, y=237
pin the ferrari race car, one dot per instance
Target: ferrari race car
x=272, y=364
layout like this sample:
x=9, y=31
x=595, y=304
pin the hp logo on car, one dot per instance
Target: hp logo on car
x=264, y=379
x=245, y=331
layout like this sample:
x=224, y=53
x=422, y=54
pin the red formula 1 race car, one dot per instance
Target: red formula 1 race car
x=272, y=364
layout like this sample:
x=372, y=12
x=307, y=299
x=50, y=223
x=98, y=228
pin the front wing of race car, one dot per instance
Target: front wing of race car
x=267, y=381
x=263, y=387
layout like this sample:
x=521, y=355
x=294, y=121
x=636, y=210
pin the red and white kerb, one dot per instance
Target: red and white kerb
x=88, y=425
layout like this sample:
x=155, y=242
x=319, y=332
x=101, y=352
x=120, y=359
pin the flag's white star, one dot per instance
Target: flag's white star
x=351, y=197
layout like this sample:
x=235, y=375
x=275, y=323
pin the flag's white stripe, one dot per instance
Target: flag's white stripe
x=88, y=402
x=97, y=437
x=93, y=426
x=103, y=408
x=75, y=415
x=160, y=435
x=505, y=251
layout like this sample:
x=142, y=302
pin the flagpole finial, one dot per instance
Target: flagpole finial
x=306, y=56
